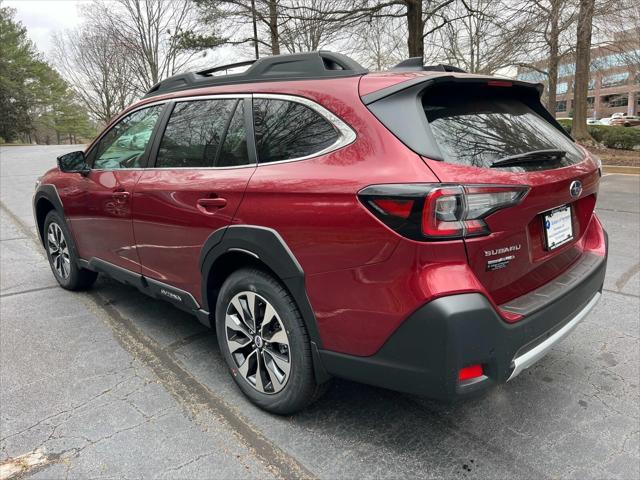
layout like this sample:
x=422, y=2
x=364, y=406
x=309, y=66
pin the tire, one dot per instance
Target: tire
x=279, y=346
x=62, y=255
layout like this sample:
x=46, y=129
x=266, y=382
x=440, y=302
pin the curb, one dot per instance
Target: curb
x=621, y=169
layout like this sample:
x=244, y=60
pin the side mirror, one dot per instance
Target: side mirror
x=74, y=162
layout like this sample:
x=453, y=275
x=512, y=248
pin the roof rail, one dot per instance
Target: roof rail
x=415, y=64
x=298, y=66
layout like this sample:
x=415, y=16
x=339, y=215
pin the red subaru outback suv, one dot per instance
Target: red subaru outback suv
x=422, y=229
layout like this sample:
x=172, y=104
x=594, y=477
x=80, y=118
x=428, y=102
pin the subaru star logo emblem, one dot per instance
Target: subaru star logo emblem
x=575, y=189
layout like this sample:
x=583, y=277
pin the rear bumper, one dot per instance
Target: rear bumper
x=426, y=352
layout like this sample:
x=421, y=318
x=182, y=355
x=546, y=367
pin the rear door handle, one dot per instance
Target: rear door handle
x=209, y=205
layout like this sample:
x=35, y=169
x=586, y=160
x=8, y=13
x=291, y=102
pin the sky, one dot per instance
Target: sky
x=44, y=17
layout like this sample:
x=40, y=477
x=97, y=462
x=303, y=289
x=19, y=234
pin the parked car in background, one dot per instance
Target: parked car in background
x=626, y=121
x=593, y=121
x=422, y=229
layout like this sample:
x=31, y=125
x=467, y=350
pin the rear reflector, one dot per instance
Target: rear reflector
x=472, y=371
x=397, y=208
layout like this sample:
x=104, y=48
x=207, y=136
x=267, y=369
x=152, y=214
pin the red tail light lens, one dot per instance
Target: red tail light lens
x=442, y=212
x=437, y=211
x=472, y=371
x=397, y=208
x=459, y=211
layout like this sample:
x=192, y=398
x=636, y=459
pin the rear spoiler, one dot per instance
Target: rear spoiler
x=399, y=107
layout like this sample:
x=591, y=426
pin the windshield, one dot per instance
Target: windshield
x=478, y=127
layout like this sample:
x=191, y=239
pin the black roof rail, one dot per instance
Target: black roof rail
x=415, y=64
x=297, y=66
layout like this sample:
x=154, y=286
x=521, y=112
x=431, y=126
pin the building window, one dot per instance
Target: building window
x=615, y=100
x=562, y=88
x=615, y=80
x=561, y=106
x=591, y=101
x=592, y=83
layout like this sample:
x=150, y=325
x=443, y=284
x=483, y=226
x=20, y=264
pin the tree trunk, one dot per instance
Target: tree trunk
x=273, y=27
x=583, y=58
x=552, y=67
x=255, y=28
x=415, y=26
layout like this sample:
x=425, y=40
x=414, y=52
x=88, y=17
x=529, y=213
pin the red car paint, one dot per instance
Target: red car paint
x=362, y=278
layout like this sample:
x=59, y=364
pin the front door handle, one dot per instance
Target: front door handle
x=120, y=196
x=209, y=205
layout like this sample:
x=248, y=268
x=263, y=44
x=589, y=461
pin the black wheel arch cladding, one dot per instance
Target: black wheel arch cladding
x=45, y=193
x=270, y=249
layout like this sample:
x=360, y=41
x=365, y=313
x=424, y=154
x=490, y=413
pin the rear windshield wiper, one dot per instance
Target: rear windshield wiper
x=530, y=157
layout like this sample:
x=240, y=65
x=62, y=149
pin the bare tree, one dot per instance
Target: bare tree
x=422, y=17
x=96, y=67
x=307, y=31
x=618, y=30
x=149, y=31
x=380, y=43
x=256, y=22
x=493, y=37
x=583, y=59
x=549, y=36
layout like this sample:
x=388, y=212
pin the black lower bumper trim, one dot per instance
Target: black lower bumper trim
x=426, y=352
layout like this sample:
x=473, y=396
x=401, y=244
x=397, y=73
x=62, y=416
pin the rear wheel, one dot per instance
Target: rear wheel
x=62, y=257
x=265, y=343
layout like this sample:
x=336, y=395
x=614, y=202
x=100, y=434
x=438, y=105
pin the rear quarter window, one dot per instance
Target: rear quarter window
x=286, y=130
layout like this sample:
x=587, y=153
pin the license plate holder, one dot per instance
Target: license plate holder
x=558, y=227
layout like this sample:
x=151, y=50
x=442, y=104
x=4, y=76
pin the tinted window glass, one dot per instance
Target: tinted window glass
x=478, y=127
x=286, y=130
x=194, y=133
x=234, y=146
x=124, y=145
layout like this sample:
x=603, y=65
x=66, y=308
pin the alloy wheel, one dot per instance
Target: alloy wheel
x=258, y=342
x=58, y=250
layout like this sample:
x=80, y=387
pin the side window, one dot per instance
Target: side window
x=234, y=148
x=195, y=132
x=287, y=130
x=124, y=144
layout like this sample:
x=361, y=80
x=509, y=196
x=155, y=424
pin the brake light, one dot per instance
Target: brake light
x=499, y=83
x=472, y=371
x=439, y=211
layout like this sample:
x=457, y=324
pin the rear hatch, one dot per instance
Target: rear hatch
x=494, y=140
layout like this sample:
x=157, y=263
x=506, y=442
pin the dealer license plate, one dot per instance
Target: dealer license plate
x=558, y=227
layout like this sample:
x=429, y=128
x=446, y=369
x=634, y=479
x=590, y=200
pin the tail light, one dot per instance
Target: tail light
x=439, y=211
x=470, y=372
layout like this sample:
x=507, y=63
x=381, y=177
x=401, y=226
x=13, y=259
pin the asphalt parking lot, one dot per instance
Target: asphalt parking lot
x=113, y=384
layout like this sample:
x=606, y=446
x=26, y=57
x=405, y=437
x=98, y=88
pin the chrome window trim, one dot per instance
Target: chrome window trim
x=346, y=135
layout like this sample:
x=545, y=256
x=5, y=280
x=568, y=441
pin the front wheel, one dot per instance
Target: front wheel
x=265, y=343
x=62, y=256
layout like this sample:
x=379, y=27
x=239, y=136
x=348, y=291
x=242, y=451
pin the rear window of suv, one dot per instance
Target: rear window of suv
x=478, y=126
